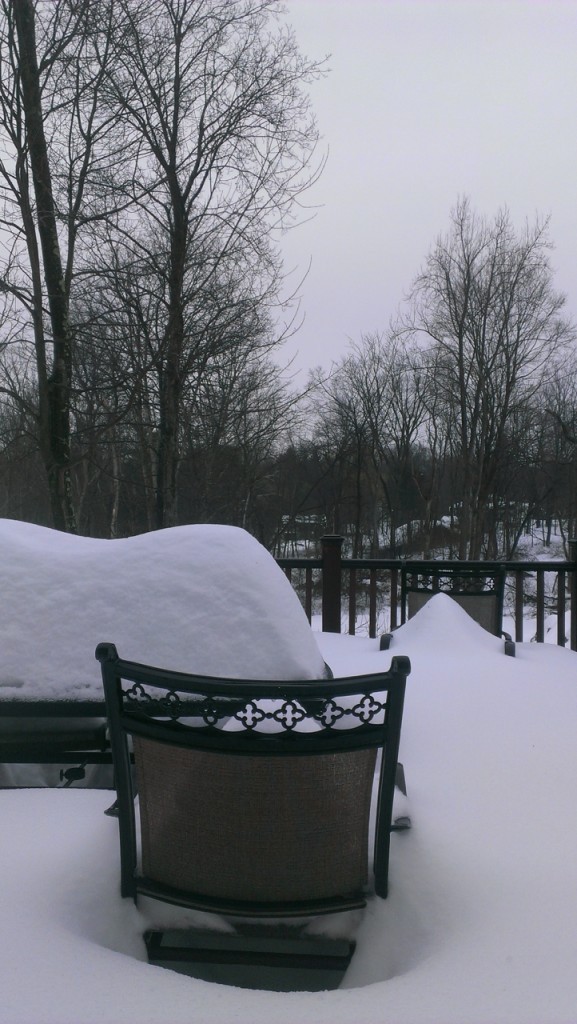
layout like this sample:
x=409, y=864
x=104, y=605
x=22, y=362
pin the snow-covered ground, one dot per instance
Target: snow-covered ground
x=480, y=926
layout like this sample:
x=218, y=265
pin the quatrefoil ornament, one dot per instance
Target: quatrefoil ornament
x=367, y=708
x=289, y=714
x=250, y=715
x=211, y=712
x=331, y=713
x=171, y=704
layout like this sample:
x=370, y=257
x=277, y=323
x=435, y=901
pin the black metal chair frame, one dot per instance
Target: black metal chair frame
x=155, y=704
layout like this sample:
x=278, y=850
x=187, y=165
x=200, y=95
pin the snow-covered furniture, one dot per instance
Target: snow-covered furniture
x=254, y=799
x=478, y=590
x=196, y=598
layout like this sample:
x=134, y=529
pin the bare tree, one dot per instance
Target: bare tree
x=386, y=377
x=240, y=417
x=485, y=299
x=149, y=148
x=51, y=172
x=371, y=412
x=213, y=95
x=341, y=435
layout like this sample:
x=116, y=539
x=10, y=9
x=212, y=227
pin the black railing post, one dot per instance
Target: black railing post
x=573, y=594
x=331, y=555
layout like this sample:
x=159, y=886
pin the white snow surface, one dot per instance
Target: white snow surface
x=480, y=926
x=202, y=599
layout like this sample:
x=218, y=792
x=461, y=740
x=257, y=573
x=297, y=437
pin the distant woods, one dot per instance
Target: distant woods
x=150, y=152
x=458, y=427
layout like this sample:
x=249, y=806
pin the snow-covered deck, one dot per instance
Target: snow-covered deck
x=480, y=925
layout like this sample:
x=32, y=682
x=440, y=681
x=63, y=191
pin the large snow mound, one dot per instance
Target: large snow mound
x=203, y=599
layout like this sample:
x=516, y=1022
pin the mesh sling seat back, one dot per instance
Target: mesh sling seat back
x=254, y=796
x=479, y=592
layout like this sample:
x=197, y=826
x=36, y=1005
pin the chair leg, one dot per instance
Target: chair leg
x=509, y=645
x=403, y=822
x=400, y=779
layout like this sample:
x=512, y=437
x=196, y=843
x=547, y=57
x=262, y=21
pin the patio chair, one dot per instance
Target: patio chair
x=254, y=803
x=478, y=590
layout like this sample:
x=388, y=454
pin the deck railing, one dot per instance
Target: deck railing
x=346, y=591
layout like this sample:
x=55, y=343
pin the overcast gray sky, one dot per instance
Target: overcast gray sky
x=426, y=101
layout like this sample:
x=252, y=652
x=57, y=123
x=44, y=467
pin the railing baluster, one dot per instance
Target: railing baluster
x=352, y=601
x=573, y=593
x=573, y=598
x=373, y=603
x=394, y=597
x=540, y=637
x=561, y=637
x=519, y=607
x=309, y=592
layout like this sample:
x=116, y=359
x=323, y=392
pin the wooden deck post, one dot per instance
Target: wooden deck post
x=331, y=583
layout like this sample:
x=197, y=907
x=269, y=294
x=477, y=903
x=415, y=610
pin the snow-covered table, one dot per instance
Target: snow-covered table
x=51, y=742
x=204, y=599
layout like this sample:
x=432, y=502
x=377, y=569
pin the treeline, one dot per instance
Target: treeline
x=150, y=151
x=457, y=428
x=451, y=432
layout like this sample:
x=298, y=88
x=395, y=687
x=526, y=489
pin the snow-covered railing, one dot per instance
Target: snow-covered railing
x=364, y=594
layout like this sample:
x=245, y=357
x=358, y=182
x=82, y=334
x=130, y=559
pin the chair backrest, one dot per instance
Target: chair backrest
x=254, y=796
x=479, y=592
x=483, y=608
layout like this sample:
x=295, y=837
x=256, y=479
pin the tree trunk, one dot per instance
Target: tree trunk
x=56, y=448
x=167, y=462
x=170, y=382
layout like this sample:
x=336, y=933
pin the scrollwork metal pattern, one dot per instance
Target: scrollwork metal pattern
x=449, y=582
x=288, y=713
